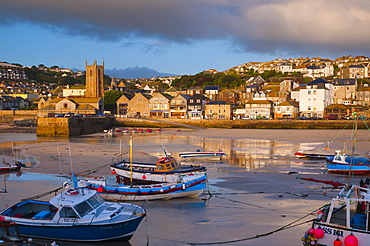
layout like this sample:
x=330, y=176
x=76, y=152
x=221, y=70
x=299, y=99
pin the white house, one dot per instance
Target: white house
x=317, y=95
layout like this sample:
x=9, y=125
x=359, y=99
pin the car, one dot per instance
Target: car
x=331, y=117
x=69, y=115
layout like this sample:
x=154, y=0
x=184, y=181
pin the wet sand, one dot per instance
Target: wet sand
x=243, y=204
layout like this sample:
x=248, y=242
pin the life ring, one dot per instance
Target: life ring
x=73, y=191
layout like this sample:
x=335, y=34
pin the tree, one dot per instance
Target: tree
x=110, y=99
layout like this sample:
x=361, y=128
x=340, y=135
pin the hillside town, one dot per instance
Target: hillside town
x=306, y=88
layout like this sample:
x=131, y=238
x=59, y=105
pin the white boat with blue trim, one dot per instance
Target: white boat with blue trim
x=76, y=214
x=187, y=186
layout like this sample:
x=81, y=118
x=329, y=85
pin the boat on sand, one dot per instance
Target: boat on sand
x=210, y=154
x=76, y=214
x=188, y=186
x=344, y=221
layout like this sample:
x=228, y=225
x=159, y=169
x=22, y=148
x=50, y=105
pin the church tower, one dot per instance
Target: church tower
x=94, y=80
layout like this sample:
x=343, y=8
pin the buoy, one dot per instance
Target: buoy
x=72, y=191
x=337, y=242
x=311, y=231
x=100, y=189
x=351, y=240
x=143, y=177
x=319, y=233
x=113, y=171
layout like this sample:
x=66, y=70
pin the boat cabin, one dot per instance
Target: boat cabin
x=71, y=204
x=340, y=157
x=166, y=164
x=350, y=209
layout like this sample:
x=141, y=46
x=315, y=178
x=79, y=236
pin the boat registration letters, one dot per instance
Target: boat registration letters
x=110, y=227
x=331, y=231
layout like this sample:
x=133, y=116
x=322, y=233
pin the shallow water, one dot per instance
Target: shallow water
x=252, y=191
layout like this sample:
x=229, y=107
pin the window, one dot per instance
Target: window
x=309, y=92
x=83, y=208
x=198, y=100
x=66, y=212
x=191, y=101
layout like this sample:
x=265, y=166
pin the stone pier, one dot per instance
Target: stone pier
x=70, y=126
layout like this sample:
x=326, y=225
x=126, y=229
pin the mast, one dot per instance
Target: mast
x=130, y=144
x=353, y=146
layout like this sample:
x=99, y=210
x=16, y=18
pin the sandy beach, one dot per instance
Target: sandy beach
x=256, y=201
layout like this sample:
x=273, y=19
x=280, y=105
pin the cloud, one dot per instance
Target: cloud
x=135, y=73
x=262, y=26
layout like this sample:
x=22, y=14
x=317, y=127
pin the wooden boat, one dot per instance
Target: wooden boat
x=199, y=153
x=76, y=214
x=344, y=221
x=165, y=170
x=342, y=163
x=187, y=186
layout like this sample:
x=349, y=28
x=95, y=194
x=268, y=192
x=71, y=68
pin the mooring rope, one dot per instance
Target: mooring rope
x=287, y=226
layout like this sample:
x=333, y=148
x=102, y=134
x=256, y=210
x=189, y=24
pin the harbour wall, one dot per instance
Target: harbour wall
x=70, y=126
x=12, y=115
x=240, y=124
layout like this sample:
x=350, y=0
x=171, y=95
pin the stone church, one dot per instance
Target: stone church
x=90, y=103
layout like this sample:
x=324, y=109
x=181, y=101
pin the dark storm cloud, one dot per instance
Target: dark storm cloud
x=269, y=26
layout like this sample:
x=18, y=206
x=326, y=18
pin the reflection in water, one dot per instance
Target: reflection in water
x=246, y=154
x=12, y=154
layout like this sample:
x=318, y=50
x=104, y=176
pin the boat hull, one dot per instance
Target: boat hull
x=9, y=169
x=79, y=233
x=333, y=232
x=193, y=187
x=359, y=166
x=145, y=176
x=211, y=154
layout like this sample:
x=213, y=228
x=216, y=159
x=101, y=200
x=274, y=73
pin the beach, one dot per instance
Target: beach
x=255, y=191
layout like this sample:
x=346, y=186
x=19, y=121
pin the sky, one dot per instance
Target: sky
x=147, y=38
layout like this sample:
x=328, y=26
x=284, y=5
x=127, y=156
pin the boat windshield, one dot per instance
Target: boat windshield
x=161, y=167
x=86, y=207
x=83, y=208
x=96, y=201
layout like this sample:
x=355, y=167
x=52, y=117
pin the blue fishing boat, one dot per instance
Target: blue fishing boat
x=188, y=186
x=354, y=164
x=342, y=163
x=76, y=214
